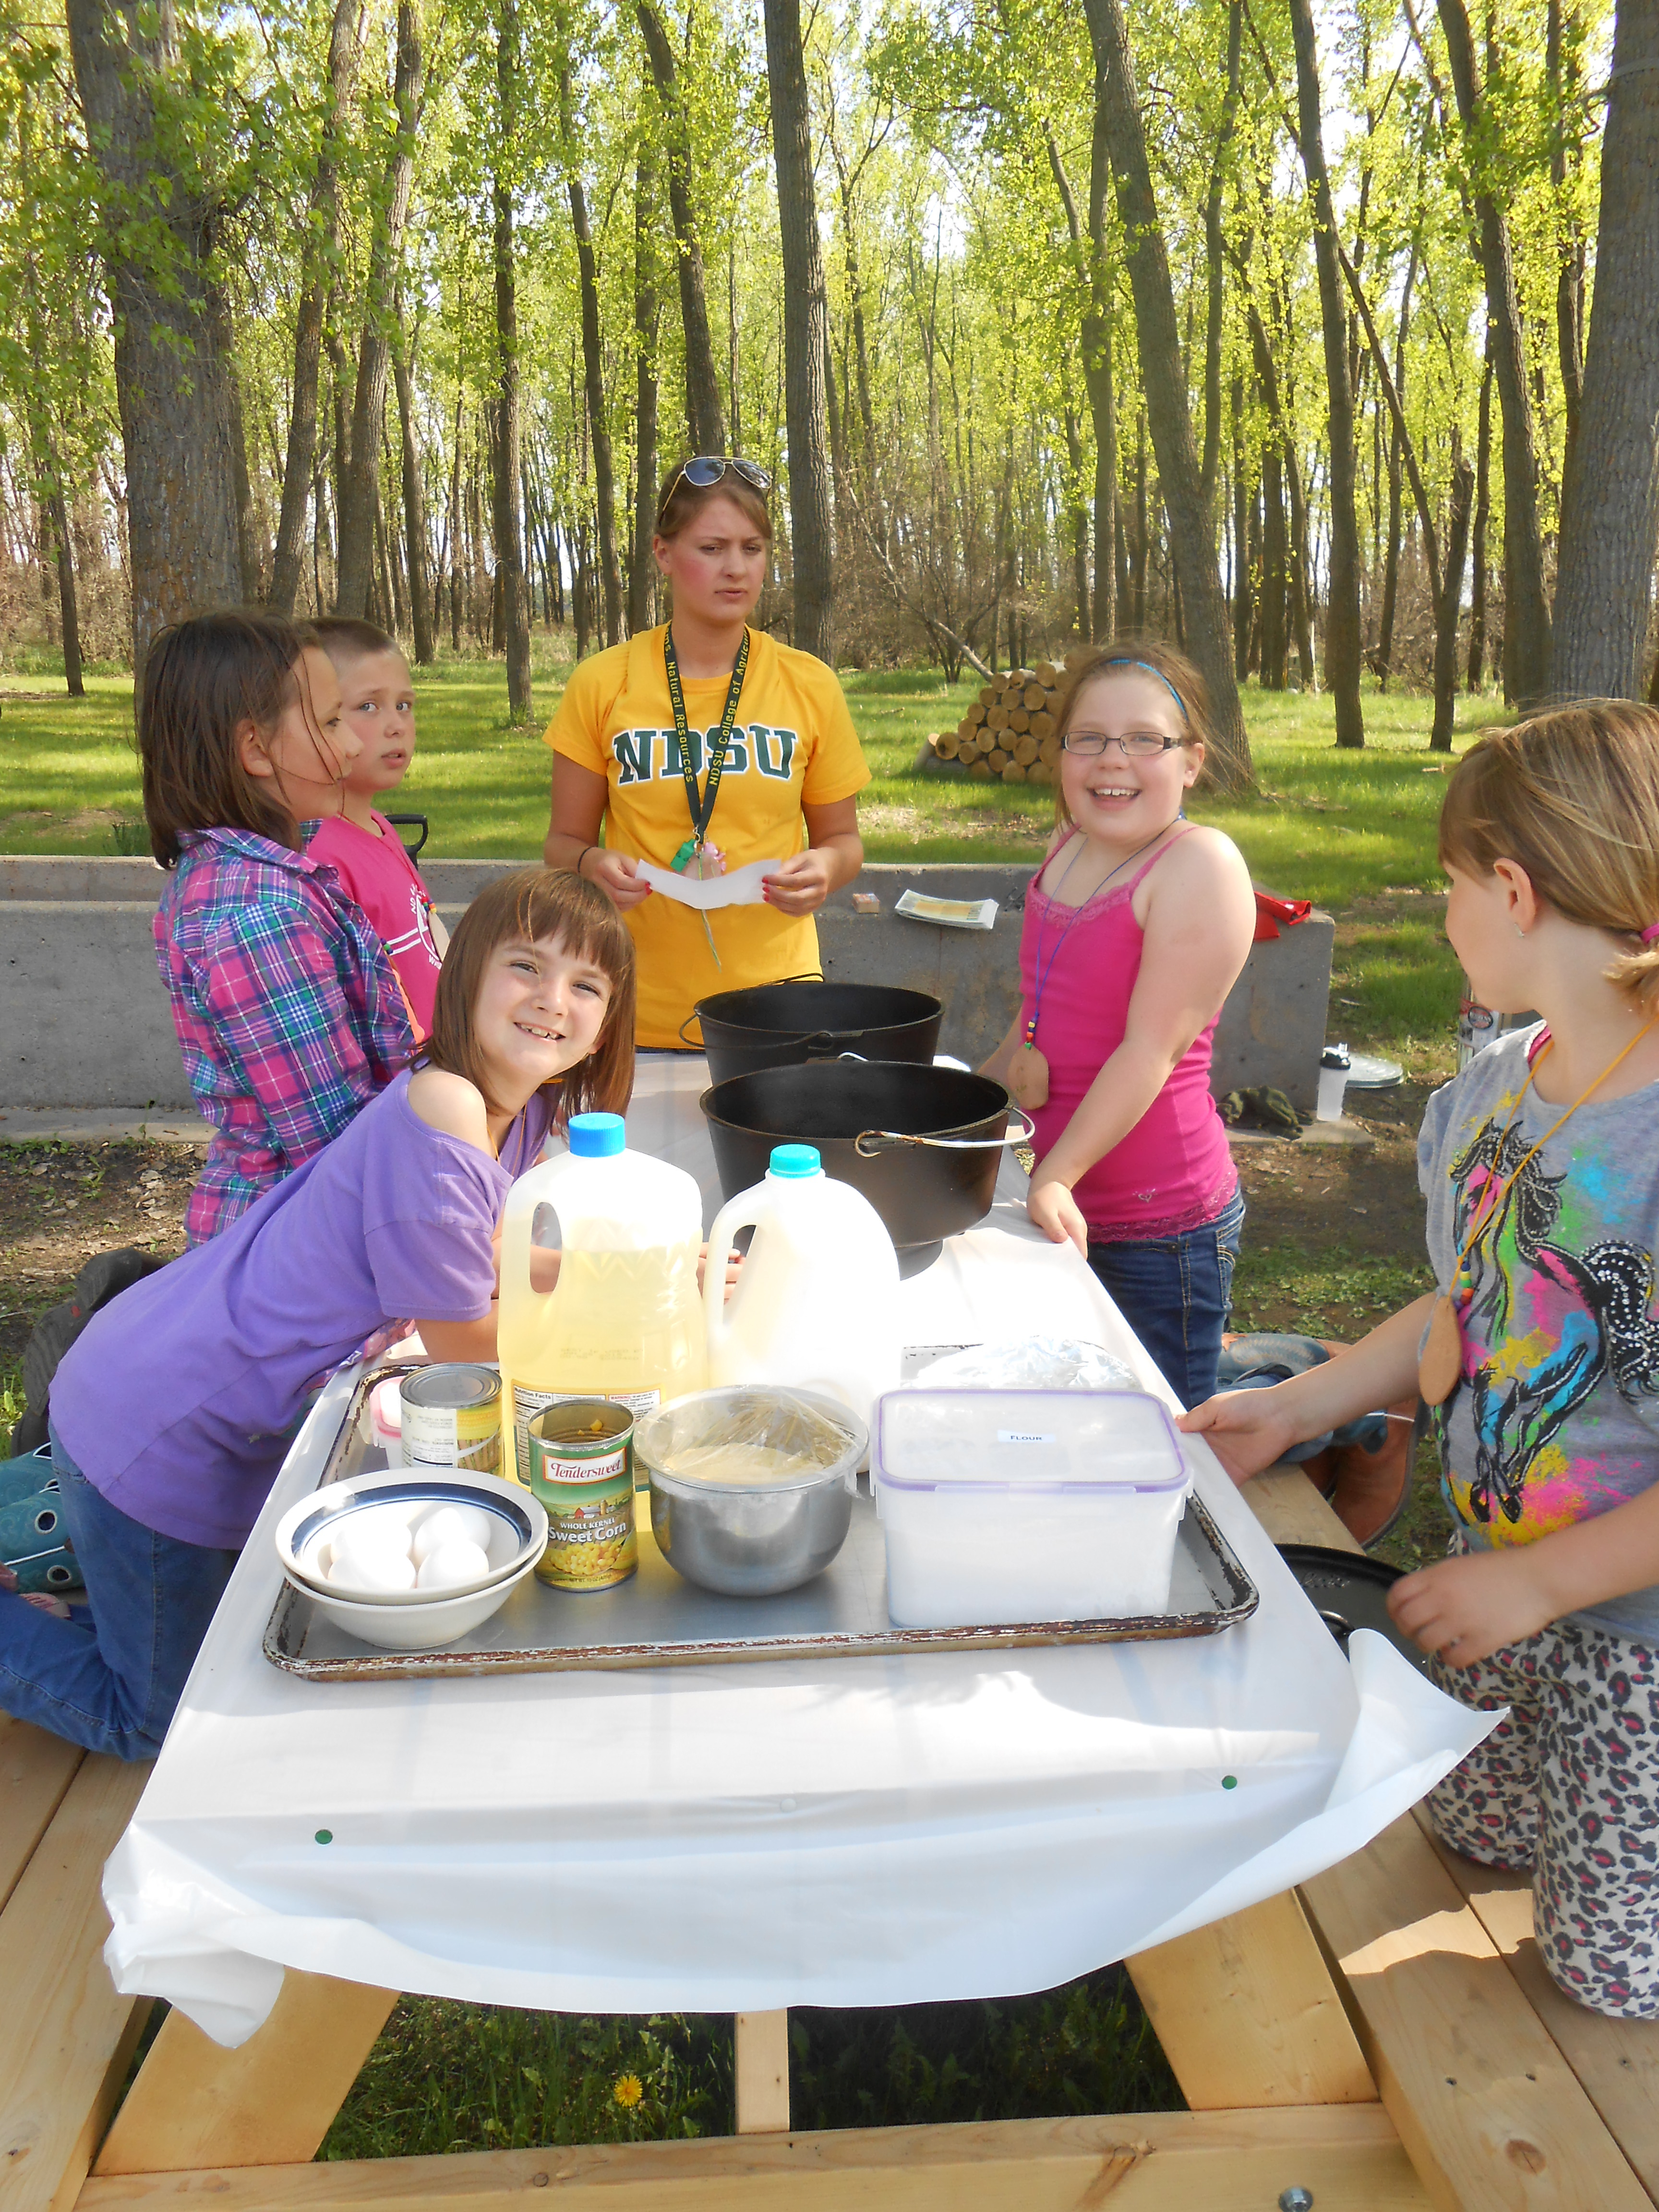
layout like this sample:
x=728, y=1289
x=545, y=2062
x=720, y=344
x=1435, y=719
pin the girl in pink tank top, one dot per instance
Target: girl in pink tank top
x=1136, y=929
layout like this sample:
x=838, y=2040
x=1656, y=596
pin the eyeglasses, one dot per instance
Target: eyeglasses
x=1140, y=744
x=706, y=469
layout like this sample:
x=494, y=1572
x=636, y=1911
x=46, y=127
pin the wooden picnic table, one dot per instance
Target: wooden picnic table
x=1384, y=2038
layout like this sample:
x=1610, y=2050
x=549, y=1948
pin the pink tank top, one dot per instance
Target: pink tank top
x=1173, y=1171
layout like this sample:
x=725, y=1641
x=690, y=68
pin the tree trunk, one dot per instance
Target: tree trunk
x=1079, y=514
x=1241, y=539
x=647, y=318
x=506, y=459
x=415, y=524
x=322, y=237
x=1610, y=515
x=861, y=340
x=56, y=510
x=702, y=393
x=361, y=495
x=1390, y=565
x=1562, y=77
x=1448, y=602
x=605, y=474
x=250, y=530
x=1191, y=537
x=805, y=324
x=1391, y=557
x=170, y=385
x=1343, y=644
x=1099, y=376
x=1477, y=669
x=1274, y=656
x=1526, y=608
x=1214, y=260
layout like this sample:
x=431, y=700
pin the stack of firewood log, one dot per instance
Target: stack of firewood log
x=1012, y=730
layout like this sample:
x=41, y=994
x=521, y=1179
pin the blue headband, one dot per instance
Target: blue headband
x=1124, y=661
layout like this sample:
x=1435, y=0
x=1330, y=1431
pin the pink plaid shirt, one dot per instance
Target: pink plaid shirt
x=289, y=1015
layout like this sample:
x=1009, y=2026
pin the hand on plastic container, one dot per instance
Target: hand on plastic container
x=1054, y=1211
x=801, y=884
x=1246, y=1430
x=1465, y=1609
x=616, y=873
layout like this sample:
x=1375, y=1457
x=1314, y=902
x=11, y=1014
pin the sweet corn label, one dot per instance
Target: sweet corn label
x=592, y=1543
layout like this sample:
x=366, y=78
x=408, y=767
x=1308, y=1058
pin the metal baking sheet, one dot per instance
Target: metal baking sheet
x=659, y=1619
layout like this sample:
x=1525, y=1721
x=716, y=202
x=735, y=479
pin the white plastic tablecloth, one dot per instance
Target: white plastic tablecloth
x=848, y=1832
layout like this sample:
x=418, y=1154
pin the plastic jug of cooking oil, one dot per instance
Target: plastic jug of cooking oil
x=816, y=1303
x=622, y=1320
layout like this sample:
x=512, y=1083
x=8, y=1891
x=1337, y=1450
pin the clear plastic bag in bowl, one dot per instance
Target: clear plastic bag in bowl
x=751, y=1437
x=1036, y=1363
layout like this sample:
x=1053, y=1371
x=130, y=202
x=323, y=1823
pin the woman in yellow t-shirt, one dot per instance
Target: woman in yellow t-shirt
x=791, y=762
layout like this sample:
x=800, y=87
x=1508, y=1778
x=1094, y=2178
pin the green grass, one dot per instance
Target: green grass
x=449, y=2077
x=1325, y=826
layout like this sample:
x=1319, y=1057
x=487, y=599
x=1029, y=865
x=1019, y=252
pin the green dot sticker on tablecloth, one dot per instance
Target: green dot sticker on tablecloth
x=1228, y=1782
x=325, y=1835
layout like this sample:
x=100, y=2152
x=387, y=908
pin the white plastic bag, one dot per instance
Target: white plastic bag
x=1038, y=1363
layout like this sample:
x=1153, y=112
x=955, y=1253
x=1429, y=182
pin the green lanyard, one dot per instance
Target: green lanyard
x=701, y=808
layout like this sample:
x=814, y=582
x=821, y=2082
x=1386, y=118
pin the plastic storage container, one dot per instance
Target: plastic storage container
x=1002, y=1506
x=816, y=1303
x=625, y=1320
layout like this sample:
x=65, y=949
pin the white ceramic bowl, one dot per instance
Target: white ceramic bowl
x=518, y=1532
x=441, y=1618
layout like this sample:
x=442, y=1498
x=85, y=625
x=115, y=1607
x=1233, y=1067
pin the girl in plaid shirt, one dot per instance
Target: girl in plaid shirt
x=289, y=1015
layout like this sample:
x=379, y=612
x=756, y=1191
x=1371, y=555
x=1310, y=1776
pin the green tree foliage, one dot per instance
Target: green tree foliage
x=994, y=485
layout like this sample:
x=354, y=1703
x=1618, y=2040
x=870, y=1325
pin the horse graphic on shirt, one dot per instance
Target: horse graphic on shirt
x=1544, y=1325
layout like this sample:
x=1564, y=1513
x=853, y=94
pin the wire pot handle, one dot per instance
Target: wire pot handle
x=870, y=1142
x=779, y=1036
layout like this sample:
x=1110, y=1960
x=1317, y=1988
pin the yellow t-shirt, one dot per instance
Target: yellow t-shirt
x=793, y=743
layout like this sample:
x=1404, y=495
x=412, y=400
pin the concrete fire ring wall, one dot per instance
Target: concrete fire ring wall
x=84, y=1021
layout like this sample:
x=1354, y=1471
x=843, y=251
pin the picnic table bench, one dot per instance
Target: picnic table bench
x=1384, y=2039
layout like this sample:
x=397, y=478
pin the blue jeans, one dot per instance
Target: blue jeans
x=110, y=1682
x=1176, y=1293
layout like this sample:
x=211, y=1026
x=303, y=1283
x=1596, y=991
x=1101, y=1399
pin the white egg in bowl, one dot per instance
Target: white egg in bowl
x=357, y=1545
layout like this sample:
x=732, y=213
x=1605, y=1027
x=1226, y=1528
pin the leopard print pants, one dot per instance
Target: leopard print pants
x=1568, y=1786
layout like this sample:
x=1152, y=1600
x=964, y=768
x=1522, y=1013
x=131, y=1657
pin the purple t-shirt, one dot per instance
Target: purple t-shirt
x=179, y=1401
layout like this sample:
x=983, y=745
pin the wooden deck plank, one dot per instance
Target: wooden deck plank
x=1292, y=1512
x=269, y=2103
x=1489, y=2109
x=762, y=2069
x=1348, y=2157
x=35, y=1770
x=1248, y=2015
x=65, y=2035
x=1617, y=2060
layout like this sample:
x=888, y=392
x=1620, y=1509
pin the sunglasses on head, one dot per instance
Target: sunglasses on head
x=706, y=469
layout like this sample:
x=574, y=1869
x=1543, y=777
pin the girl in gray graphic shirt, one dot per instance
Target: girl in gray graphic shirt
x=1539, y=1166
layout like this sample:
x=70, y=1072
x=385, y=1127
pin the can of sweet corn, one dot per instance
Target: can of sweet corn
x=581, y=1468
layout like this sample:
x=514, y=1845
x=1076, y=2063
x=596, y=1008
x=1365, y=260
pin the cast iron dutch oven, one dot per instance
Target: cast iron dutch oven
x=923, y=1143
x=781, y=1024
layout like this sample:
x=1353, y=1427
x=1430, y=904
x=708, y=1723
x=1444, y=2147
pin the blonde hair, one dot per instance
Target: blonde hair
x=1572, y=796
x=1127, y=655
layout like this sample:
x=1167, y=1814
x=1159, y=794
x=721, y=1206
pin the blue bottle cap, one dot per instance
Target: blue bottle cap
x=595, y=1136
x=794, y=1161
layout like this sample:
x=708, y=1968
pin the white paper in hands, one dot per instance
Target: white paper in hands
x=741, y=887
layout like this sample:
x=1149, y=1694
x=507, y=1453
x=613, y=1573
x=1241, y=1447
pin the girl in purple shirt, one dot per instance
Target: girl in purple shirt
x=172, y=1414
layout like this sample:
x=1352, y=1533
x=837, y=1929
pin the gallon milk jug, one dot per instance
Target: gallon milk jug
x=815, y=1304
x=624, y=1320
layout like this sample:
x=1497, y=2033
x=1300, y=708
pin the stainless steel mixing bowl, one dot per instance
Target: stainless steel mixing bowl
x=751, y=1540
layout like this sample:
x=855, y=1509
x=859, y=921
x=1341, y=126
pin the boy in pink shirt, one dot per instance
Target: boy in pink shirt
x=359, y=843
